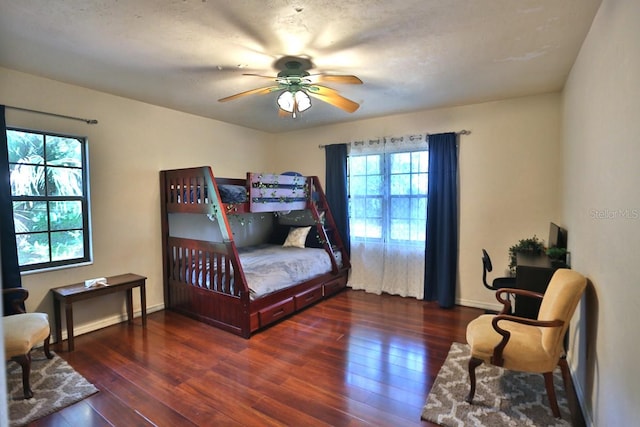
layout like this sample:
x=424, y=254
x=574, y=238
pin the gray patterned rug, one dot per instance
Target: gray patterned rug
x=503, y=398
x=55, y=385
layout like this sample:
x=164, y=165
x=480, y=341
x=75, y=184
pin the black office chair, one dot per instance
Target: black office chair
x=498, y=282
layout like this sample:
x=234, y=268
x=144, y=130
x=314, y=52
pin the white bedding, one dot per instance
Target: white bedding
x=269, y=268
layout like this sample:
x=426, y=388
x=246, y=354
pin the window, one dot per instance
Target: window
x=50, y=198
x=388, y=196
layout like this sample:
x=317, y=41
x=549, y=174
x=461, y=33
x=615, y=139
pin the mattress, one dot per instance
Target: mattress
x=269, y=268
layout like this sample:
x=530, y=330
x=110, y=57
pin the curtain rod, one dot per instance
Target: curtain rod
x=462, y=132
x=62, y=116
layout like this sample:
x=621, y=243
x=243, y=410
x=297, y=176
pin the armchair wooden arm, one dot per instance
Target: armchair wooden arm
x=506, y=304
x=497, y=359
x=18, y=297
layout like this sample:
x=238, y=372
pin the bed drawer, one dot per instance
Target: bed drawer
x=277, y=311
x=335, y=285
x=308, y=297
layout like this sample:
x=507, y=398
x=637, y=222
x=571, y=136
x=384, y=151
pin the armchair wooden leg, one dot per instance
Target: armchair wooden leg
x=24, y=361
x=473, y=364
x=47, y=351
x=566, y=376
x=551, y=393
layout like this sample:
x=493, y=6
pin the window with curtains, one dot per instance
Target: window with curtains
x=49, y=191
x=388, y=185
x=388, y=196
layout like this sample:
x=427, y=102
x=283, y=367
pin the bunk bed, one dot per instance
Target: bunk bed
x=242, y=289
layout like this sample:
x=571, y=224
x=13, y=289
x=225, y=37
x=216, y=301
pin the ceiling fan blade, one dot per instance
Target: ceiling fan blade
x=259, y=75
x=282, y=113
x=345, y=79
x=337, y=101
x=321, y=90
x=259, y=91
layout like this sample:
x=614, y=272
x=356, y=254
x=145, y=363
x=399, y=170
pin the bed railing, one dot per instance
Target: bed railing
x=206, y=265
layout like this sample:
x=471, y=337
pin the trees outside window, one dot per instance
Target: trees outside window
x=388, y=193
x=50, y=198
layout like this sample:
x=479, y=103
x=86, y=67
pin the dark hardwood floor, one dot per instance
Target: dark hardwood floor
x=355, y=359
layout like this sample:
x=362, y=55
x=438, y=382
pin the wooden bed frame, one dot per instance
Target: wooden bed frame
x=227, y=304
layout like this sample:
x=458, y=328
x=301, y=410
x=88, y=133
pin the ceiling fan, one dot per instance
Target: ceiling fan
x=297, y=85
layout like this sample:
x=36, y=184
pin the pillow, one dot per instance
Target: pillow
x=232, y=193
x=297, y=236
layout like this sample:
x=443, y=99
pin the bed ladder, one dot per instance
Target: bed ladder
x=325, y=224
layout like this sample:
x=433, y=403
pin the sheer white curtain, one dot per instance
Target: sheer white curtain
x=387, y=251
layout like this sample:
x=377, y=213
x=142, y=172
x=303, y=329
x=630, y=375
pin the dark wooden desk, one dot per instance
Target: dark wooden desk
x=65, y=296
x=533, y=273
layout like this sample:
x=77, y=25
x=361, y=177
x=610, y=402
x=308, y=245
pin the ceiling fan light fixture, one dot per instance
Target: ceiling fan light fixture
x=293, y=102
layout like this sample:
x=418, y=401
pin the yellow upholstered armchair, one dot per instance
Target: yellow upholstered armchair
x=21, y=332
x=528, y=345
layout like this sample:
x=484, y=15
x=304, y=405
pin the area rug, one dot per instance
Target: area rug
x=503, y=398
x=55, y=385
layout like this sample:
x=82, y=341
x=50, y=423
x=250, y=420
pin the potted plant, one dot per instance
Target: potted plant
x=558, y=256
x=531, y=245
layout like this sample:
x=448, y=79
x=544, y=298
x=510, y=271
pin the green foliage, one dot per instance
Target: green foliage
x=45, y=171
x=556, y=253
x=531, y=245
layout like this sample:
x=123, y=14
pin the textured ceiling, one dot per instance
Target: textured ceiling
x=410, y=54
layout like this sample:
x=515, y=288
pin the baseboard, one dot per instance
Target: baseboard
x=479, y=304
x=588, y=420
x=107, y=321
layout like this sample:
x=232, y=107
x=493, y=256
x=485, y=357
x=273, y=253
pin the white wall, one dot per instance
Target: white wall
x=131, y=143
x=602, y=211
x=509, y=172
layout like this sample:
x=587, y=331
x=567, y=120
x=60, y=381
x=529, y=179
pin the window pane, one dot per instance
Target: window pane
x=374, y=185
x=63, y=151
x=66, y=215
x=399, y=229
x=419, y=183
x=27, y=180
x=400, y=163
x=358, y=207
x=25, y=147
x=373, y=208
x=400, y=207
x=357, y=165
x=400, y=185
x=358, y=185
x=32, y=248
x=420, y=161
x=419, y=208
x=373, y=165
x=30, y=216
x=66, y=245
x=64, y=181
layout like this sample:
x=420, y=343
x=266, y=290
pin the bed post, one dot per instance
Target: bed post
x=164, y=226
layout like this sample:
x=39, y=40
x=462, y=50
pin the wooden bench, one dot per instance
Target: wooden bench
x=65, y=296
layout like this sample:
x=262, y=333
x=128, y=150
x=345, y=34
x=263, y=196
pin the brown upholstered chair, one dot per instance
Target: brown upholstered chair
x=21, y=332
x=528, y=345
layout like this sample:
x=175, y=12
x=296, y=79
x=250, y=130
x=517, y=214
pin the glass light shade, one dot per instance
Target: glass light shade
x=290, y=101
x=303, y=100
